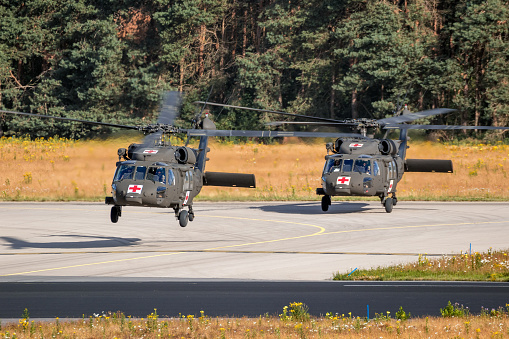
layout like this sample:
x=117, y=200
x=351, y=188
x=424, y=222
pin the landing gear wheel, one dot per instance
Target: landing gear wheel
x=394, y=201
x=115, y=213
x=183, y=218
x=326, y=203
x=388, y=205
x=191, y=216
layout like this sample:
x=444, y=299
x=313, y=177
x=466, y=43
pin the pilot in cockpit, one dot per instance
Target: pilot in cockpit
x=336, y=166
x=159, y=176
x=126, y=172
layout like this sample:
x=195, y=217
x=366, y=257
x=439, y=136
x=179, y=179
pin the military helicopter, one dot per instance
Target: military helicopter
x=156, y=173
x=363, y=166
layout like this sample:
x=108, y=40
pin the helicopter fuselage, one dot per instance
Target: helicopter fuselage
x=370, y=167
x=361, y=175
x=157, y=176
x=155, y=184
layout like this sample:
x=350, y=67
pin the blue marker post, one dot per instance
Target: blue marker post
x=470, y=248
x=352, y=271
x=368, y=311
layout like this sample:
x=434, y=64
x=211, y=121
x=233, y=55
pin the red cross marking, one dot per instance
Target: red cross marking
x=135, y=188
x=343, y=180
x=150, y=151
x=356, y=145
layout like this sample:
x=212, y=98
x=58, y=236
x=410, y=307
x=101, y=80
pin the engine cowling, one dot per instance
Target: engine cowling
x=387, y=147
x=185, y=155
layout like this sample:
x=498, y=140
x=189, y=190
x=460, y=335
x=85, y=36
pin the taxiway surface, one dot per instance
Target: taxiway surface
x=44, y=242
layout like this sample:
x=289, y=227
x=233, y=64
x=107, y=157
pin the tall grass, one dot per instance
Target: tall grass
x=488, y=324
x=56, y=169
x=61, y=169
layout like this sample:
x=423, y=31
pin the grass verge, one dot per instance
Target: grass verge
x=488, y=266
x=294, y=322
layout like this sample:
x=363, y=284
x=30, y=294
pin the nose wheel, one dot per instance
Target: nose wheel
x=116, y=212
x=326, y=202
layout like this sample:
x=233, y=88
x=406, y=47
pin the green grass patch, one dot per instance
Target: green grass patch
x=488, y=266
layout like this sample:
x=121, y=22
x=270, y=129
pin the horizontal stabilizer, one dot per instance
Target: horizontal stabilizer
x=428, y=165
x=229, y=179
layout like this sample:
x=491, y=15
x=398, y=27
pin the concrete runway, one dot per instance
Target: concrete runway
x=263, y=240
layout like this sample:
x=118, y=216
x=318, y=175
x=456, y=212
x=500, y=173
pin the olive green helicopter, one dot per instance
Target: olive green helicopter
x=360, y=165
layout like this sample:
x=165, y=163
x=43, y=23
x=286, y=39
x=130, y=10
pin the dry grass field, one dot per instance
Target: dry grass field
x=294, y=322
x=59, y=169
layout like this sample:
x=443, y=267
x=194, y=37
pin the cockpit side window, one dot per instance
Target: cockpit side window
x=124, y=172
x=188, y=181
x=171, y=177
x=390, y=173
x=140, y=173
x=347, y=165
x=376, y=168
x=157, y=174
x=332, y=165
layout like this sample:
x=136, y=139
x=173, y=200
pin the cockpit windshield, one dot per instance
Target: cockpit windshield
x=338, y=165
x=140, y=172
x=362, y=166
x=347, y=165
x=124, y=172
x=157, y=174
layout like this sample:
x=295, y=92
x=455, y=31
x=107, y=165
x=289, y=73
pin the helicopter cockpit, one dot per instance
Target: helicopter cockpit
x=157, y=173
x=346, y=175
x=363, y=164
x=144, y=183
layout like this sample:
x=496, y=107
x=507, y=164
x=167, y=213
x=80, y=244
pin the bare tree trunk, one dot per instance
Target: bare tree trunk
x=421, y=100
x=221, y=46
x=355, y=105
x=244, y=34
x=181, y=79
x=201, y=50
x=332, y=95
x=233, y=35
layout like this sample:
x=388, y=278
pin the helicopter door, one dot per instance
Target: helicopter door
x=378, y=177
x=188, y=186
x=391, y=177
x=171, y=188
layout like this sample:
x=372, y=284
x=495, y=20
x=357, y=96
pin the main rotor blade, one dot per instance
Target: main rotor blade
x=170, y=107
x=169, y=111
x=266, y=111
x=414, y=116
x=445, y=127
x=70, y=119
x=268, y=134
x=311, y=123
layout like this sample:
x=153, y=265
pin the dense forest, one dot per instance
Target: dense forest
x=110, y=60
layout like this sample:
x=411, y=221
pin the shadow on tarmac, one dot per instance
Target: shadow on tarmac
x=312, y=208
x=98, y=242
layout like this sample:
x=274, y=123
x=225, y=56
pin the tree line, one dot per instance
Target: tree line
x=110, y=60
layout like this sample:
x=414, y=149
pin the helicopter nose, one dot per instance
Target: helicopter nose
x=336, y=184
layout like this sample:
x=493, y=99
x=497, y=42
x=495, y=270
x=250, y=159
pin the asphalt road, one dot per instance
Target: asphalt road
x=242, y=298
x=230, y=249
